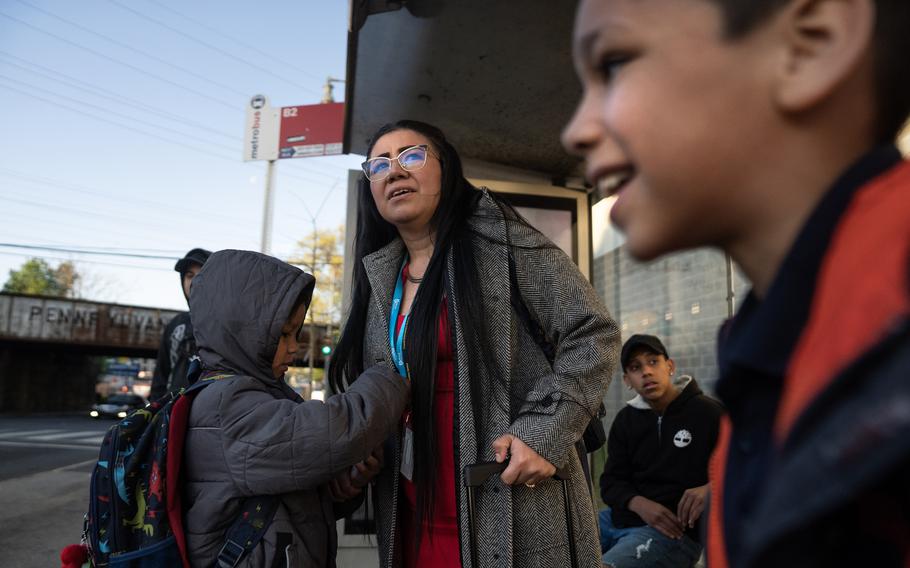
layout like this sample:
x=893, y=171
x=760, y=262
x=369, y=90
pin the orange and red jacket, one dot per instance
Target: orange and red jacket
x=842, y=424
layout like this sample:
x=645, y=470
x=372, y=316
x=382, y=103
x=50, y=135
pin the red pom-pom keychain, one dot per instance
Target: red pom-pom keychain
x=74, y=556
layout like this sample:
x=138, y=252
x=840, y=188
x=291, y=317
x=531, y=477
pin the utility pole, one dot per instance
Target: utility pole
x=327, y=95
x=266, y=242
x=313, y=314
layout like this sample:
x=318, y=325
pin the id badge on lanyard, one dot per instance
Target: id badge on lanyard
x=407, y=450
x=396, y=342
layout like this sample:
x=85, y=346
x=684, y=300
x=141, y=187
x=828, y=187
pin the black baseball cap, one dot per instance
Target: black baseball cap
x=195, y=256
x=640, y=340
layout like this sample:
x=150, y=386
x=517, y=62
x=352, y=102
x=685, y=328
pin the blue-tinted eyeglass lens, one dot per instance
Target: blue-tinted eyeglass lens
x=377, y=167
x=413, y=157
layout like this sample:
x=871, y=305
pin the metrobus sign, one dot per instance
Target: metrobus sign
x=292, y=132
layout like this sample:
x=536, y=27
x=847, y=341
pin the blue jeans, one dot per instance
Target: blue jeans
x=644, y=547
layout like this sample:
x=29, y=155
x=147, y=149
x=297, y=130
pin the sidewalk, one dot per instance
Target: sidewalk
x=42, y=513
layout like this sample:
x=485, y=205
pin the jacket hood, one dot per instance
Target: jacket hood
x=685, y=383
x=239, y=302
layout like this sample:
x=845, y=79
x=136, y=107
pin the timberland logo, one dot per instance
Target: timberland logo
x=682, y=439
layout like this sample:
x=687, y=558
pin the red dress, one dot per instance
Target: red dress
x=439, y=534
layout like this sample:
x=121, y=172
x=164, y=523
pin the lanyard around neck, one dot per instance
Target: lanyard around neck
x=396, y=340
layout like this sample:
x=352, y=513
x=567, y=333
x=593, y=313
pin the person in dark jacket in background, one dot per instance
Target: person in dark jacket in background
x=177, y=346
x=250, y=434
x=656, y=478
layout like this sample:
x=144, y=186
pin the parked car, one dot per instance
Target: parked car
x=118, y=405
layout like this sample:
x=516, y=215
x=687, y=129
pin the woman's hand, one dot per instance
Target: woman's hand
x=525, y=465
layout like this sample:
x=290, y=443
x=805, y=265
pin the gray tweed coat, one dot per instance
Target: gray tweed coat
x=517, y=526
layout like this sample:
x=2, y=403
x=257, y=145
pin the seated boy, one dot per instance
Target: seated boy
x=656, y=477
x=766, y=129
x=250, y=434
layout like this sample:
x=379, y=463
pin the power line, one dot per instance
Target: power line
x=64, y=259
x=72, y=82
x=68, y=186
x=212, y=47
x=240, y=230
x=118, y=43
x=68, y=209
x=301, y=200
x=135, y=130
x=133, y=67
x=93, y=231
x=289, y=163
x=97, y=253
x=154, y=110
x=242, y=43
x=301, y=178
x=178, y=252
x=127, y=117
x=115, y=113
x=105, y=232
x=17, y=236
x=246, y=232
x=137, y=255
x=326, y=198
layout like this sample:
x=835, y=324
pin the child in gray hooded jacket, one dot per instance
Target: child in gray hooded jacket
x=250, y=434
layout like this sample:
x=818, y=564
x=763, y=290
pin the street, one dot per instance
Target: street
x=45, y=466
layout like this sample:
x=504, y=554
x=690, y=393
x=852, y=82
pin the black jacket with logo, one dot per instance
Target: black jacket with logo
x=659, y=456
x=178, y=347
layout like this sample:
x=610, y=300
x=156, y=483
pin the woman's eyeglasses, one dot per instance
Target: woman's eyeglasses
x=410, y=159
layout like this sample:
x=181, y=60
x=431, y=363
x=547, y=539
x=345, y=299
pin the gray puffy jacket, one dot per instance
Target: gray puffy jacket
x=251, y=434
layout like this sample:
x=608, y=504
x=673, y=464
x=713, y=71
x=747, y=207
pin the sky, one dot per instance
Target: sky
x=123, y=129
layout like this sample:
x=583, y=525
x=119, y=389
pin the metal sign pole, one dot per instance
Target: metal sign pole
x=313, y=313
x=267, y=209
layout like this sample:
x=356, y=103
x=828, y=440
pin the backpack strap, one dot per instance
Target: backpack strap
x=255, y=516
x=179, y=418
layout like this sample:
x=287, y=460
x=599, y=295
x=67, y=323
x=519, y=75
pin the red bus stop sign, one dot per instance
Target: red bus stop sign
x=311, y=130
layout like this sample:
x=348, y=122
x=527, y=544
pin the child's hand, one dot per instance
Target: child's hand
x=349, y=484
x=364, y=472
x=657, y=516
x=692, y=504
x=342, y=487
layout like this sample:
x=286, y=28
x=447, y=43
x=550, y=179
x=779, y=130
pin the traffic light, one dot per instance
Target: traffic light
x=326, y=350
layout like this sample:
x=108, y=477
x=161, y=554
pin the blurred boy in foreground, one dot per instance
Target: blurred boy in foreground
x=766, y=129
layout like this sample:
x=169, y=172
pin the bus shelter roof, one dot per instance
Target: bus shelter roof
x=495, y=76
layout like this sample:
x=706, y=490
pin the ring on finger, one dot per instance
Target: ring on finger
x=530, y=485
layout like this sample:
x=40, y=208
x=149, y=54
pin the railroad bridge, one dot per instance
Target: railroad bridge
x=50, y=348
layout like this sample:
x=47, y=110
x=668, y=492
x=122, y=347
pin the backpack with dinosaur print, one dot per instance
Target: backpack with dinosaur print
x=135, y=517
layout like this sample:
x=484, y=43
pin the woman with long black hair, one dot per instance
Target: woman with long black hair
x=441, y=269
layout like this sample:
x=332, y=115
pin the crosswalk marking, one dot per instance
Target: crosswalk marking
x=61, y=435
x=54, y=437
x=20, y=433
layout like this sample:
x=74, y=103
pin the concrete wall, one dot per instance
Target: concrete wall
x=40, y=378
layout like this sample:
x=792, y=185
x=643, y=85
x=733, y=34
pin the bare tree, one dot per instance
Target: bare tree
x=321, y=254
